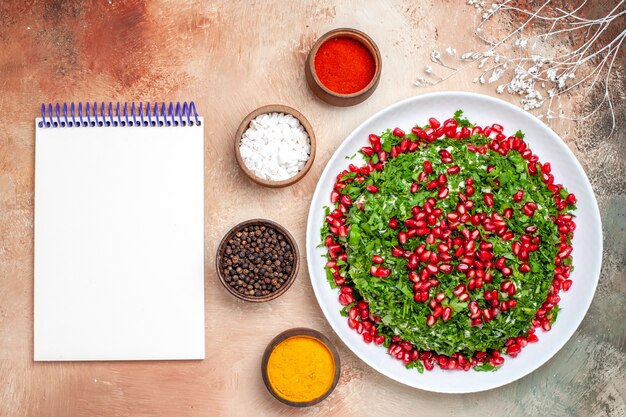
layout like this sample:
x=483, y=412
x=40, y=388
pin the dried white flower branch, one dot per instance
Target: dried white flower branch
x=540, y=72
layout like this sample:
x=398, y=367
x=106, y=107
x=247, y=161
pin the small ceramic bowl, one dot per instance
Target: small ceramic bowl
x=329, y=96
x=222, y=248
x=305, y=332
x=275, y=108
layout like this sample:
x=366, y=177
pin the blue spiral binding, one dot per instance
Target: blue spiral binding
x=105, y=115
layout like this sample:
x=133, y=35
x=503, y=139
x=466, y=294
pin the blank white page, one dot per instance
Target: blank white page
x=119, y=243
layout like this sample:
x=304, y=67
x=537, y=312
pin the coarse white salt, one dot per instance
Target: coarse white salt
x=275, y=146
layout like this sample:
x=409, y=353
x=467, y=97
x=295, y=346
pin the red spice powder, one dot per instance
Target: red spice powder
x=344, y=65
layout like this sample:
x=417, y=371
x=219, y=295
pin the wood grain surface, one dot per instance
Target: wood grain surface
x=231, y=57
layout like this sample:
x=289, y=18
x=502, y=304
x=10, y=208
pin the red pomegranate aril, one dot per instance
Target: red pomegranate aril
x=488, y=199
x=571, y=199
x=377, y=259
x=428, y=167
x=469, y=190
x=398, y=132
x=459, y=289
x=372, y=189
x=455, y=169
x=443, y=193
x=527, y=210
x=567, y=284
x=524, y=268
x=431, y=320
x=346, y=299
x=434, y=123
x=432, y=185
x=382, y=272
x=508, y=235
x=402, y=238
x=346, y=200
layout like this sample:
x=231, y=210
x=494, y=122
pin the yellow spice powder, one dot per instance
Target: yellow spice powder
x=301, y=369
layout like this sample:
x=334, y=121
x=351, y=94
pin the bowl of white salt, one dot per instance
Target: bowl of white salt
x=275, y=145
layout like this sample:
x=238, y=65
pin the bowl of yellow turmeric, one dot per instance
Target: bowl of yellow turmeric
x=300, y=367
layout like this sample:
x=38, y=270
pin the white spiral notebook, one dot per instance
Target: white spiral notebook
x=119, y=233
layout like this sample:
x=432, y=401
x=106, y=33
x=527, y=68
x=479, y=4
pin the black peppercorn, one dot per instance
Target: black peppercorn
x=257, y=260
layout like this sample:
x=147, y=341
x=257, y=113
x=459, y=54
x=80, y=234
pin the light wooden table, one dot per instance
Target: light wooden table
x=231, y=57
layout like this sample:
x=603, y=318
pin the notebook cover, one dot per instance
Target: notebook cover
x=119, y=243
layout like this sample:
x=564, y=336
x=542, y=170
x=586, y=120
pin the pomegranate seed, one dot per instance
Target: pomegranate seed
x=367, y=150
x=346, y=200
x=443, y=192
x=469, y=190
x=414, y=187
x=398, y=132
x=571, y=199
x=377, y=259
x=402, y=238
x=455, y=169
x=488, y=198
x=567, y=284
x=346, y=299
x=379, y=339
x=428, y=167
x=524, y=268
x=432, y=185
x=367, y=338
x=434, y=123
x=459, y=289
x=372, y=189
x=431, y=320
x=393, y=223
x=381, y=272
x=527, y=210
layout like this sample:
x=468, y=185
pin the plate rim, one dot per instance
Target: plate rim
x=311, y=244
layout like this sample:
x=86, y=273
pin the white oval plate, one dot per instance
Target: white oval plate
x=587, y=242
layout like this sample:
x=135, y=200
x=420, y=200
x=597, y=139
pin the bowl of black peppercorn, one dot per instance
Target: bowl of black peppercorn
x=257, y=260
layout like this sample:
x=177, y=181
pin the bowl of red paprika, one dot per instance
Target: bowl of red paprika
x=343, y=67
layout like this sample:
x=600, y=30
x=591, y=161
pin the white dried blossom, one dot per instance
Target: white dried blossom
x=551, y=74
x=546, y=73
x=421, y=82
x=495, y=75
x=521, y=42
x=435, y=56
